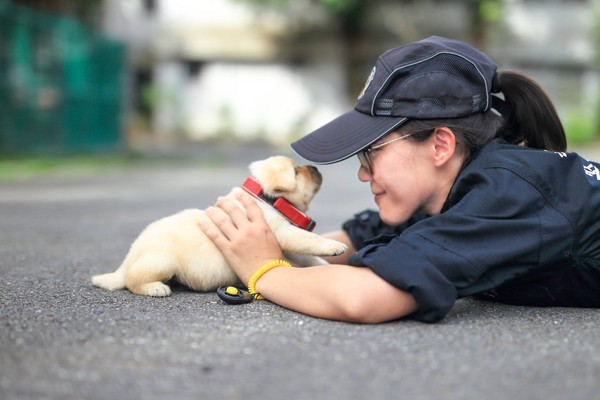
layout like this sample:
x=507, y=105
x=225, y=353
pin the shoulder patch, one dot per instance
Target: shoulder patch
x=592, y=170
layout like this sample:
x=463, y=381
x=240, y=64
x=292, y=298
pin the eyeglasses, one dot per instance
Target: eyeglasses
x=365, y=156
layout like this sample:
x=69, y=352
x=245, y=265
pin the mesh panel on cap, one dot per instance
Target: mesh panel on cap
x=445, y=85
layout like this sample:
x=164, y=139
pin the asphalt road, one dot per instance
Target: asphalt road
x=61, y=338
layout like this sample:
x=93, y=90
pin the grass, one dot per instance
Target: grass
x=33, y=167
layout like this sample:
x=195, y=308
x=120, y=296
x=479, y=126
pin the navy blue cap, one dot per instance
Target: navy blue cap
x=429, y=79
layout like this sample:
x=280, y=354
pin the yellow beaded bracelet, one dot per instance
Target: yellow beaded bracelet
x=260, y=272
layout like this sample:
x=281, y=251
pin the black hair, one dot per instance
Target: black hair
x=528, y=118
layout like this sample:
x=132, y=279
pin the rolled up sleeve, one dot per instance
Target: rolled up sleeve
x=433, y=291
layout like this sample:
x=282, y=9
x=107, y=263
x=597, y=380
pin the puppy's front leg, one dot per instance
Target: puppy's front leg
x=295, y=240
x=304, y=260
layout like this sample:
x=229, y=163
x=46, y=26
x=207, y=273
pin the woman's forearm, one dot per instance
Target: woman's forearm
x=337, y=292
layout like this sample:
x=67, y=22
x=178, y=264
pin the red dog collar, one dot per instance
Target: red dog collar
x=287, y=209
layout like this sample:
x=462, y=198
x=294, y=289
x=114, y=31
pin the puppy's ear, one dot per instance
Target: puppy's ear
x=277, y=175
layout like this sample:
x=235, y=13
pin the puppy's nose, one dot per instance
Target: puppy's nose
x=315, y=174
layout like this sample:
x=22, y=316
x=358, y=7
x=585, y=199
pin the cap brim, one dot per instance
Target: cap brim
x=344, y=137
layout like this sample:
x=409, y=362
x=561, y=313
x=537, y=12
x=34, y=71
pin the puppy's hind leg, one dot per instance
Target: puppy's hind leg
x=146, y=276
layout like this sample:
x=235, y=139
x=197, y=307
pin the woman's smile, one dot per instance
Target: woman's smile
x=378, y=196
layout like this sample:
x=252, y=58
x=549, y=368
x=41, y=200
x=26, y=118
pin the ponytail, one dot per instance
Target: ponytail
x=530, y=116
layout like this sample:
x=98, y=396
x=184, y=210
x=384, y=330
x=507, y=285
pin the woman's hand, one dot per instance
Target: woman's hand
x=243, y=236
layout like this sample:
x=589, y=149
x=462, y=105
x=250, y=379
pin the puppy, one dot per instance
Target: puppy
x=175, y=247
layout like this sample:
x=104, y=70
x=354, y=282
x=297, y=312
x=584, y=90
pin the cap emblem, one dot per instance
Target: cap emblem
x=367, y=83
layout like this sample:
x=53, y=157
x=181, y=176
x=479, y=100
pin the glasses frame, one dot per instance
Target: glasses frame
x=365, y=156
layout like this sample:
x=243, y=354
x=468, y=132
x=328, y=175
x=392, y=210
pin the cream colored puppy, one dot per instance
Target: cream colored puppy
x=175, y=247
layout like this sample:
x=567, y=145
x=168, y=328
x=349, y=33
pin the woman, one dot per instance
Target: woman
x=476, y=196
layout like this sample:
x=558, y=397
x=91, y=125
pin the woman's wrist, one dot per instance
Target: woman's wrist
x=262, y=271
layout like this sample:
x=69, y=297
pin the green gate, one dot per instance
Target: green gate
x=61, y=85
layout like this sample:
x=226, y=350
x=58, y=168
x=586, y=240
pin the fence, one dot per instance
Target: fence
x=61, y=85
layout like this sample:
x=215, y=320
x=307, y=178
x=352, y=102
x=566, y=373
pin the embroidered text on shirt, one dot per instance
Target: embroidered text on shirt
x=591, y=170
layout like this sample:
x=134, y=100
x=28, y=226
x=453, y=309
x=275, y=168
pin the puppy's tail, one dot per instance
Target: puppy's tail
x=112, y=281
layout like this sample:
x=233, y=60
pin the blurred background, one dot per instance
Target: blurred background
x=98, y=76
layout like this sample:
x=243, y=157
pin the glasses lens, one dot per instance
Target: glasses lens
x=365, y=161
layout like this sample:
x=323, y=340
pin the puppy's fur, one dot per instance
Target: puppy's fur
x=175, y=247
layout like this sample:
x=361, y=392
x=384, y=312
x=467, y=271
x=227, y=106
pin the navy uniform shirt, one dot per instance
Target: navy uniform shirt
x=516, y=222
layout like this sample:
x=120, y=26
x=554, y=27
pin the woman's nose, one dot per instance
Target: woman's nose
x=363, y=174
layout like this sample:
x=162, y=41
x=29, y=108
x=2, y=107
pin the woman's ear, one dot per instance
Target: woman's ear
x=444, y=143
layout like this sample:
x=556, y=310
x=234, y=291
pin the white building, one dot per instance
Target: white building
x=216, y=68
x=213, y=68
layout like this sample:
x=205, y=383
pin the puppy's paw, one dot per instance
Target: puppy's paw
x=332, y=247
x=155, y=289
